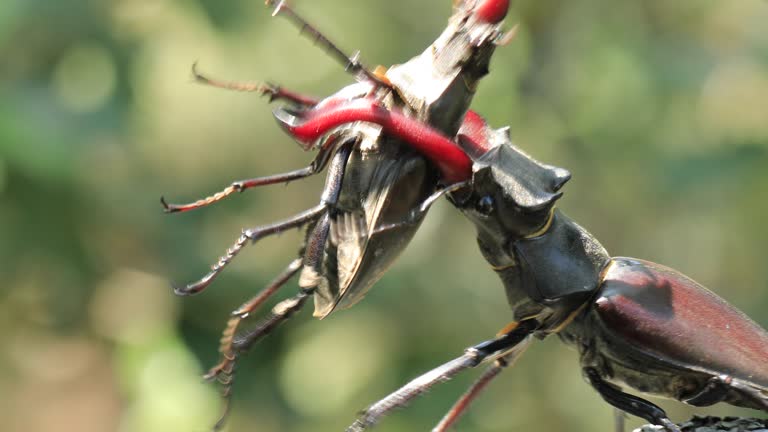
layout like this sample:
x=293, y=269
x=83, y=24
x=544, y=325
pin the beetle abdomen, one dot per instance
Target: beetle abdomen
x=664, y=314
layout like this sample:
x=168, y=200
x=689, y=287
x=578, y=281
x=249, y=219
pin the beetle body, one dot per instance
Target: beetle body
x=655, y=330
x=384, y=179
x=636, y=324
x=395, y=142
x=364, y=134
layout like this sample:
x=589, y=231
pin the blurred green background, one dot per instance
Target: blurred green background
x=658, y=108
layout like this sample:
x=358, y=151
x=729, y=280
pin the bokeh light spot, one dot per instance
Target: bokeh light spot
x=132, y=307
x=3, y=175
x=332, y=362
x=84, y=79
x=734, y=101
x=169, y=392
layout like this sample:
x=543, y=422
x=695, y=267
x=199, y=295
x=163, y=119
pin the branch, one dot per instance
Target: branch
x=716, y=424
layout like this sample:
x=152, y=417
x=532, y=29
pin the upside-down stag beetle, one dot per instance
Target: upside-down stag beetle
x=377, y=188
x=400, y=139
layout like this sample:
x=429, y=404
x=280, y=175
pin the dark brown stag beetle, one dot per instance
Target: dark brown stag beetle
x=400, y=139
x=635, y=323
x=385, y=142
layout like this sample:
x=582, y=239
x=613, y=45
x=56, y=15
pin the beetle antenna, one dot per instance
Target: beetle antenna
x=351, y=63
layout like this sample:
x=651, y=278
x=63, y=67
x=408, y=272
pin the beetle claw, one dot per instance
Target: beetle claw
x=166, y=207
x=194, y=288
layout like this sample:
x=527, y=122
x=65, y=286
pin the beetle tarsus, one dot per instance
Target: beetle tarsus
x=272, y=91
x=228, y=354
x=195, y=287
x=253, y=235
x=224, y=412
x=167, y=208
x=317, y=165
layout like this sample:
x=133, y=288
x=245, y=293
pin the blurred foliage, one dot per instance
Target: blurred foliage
x=659, y=109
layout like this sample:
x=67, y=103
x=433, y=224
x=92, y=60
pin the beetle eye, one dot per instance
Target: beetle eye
x=485, y=205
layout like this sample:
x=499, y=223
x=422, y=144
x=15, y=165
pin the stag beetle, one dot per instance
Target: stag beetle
x=374, y=180
x=635, y=324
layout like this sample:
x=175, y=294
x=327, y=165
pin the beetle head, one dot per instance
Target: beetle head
x=511, y=192
x=439, y=84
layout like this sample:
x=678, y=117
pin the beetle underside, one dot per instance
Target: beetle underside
x=394, y=143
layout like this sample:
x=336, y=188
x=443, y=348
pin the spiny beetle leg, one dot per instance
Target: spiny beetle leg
x=247, y=308
x=351, y=63
x=619, y=420
x=274, y=92
x=241, y=344
x=507, y=359
x=718, y=388
x=471, y=358
x=328, y=198
x=416, y=214
x=253, y=234
x=280, y=313
x=629, y=403
x=317, y=165
x=315, y=252
x=462, y=404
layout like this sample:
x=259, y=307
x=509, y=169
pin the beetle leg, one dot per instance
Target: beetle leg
x=328, y=198
x=281, y=312
x=252, y=234
x=416, y=214
x=469, y=396
x=243, y=312
x=233, y=346
x=317, y=165
x=238, y=345
x=351, y=63
x=274, y=92
x=629, y=403
x=619, y=418
x=472, y=357
x=718, y=388
x=285, y=309
x=502, y=362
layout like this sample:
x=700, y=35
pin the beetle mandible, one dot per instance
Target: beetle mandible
x=377, y=188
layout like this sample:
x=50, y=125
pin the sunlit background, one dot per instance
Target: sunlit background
x=658, y=108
